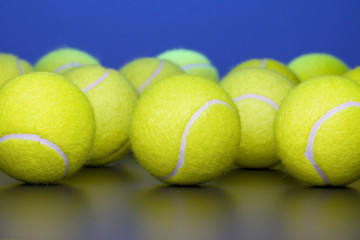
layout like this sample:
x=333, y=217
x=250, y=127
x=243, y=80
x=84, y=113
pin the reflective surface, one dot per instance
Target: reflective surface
x=124, y=202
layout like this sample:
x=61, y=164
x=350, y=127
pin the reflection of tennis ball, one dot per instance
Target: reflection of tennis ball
x=269, y=64
x=113, y=99
x=336, y=212
x=317, y=131
x=143, y=72
x=353, y=74
x=64, y=59
x=185, y=130
x=12, y=66
x=247, y=189
x=101, y=200
x=205, y=211
x=257, y=94
x=191, y=62
x=46, y=128
x=19, y=203
x=317, y=64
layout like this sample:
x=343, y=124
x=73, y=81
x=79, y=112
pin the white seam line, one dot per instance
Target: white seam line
x=196, y=65
x=262, y=63
x=94, y=84
x=153, y=75
x=258, y=97
x=43, y=141
x=309, y=153
x=193, y=118
x=18, y=63
x=67, y=65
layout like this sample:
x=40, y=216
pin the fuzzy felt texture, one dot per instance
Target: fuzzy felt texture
x=208, y=72
x=160, y=119
x=257, y=146
x=141, y=69
x=57, y=58
x=317, y=64
x=337, y=142
x=353, y=74
x=269, y=64
x=113, y=100
x=47, y=105
x=184, y=57
x=9, y=67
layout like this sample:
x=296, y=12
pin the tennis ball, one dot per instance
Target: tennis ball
x=353, y=74
x=317, y=131
x=192, y=62
x=317, y=64
x=12, y=66
x=63, y=59
x=269, y=64
x=143, y=72
x=46, y=128
x=257, y=94
x=185, y=130
x=113, y=99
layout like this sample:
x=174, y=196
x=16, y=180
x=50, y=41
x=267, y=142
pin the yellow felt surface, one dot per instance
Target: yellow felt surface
x=336, y=143
x=257, y=146
x=270, y=64
x=353, y=74
x=183, y=57
x=113, y=101
x=23, y=159
x=52, y=60
x=317, y=64
x=140, y=70
x=159, y=121
x=208, y=72
x=49, y=106
x=9, y=68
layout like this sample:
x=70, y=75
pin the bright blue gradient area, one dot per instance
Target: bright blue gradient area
x=228, y=32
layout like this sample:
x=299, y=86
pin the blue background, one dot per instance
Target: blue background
x=228, y=32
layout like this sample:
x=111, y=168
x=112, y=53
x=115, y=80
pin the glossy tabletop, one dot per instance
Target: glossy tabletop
x=123, y=201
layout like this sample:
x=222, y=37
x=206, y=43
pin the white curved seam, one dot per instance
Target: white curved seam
x=37, y=138
x=196, y=65
x=67, y=65
x=193, y=118
x=262, y=63
x=18, y=63
x=153, y=75
x=258, y=97
x=309, y=153
x=97, y=82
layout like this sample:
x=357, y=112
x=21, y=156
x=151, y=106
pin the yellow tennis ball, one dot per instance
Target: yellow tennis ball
x=113, y=99
x=317, y=64
x=257, y=94
x=12, y=66
x=317, y=131
x=192, y=62
x=144, y=72
x=353, y=74
x=269, y=64
x=46, y=128
x=185, y=130
x=63, y=59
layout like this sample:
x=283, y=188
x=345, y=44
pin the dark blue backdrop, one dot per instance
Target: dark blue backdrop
x=228, y=32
